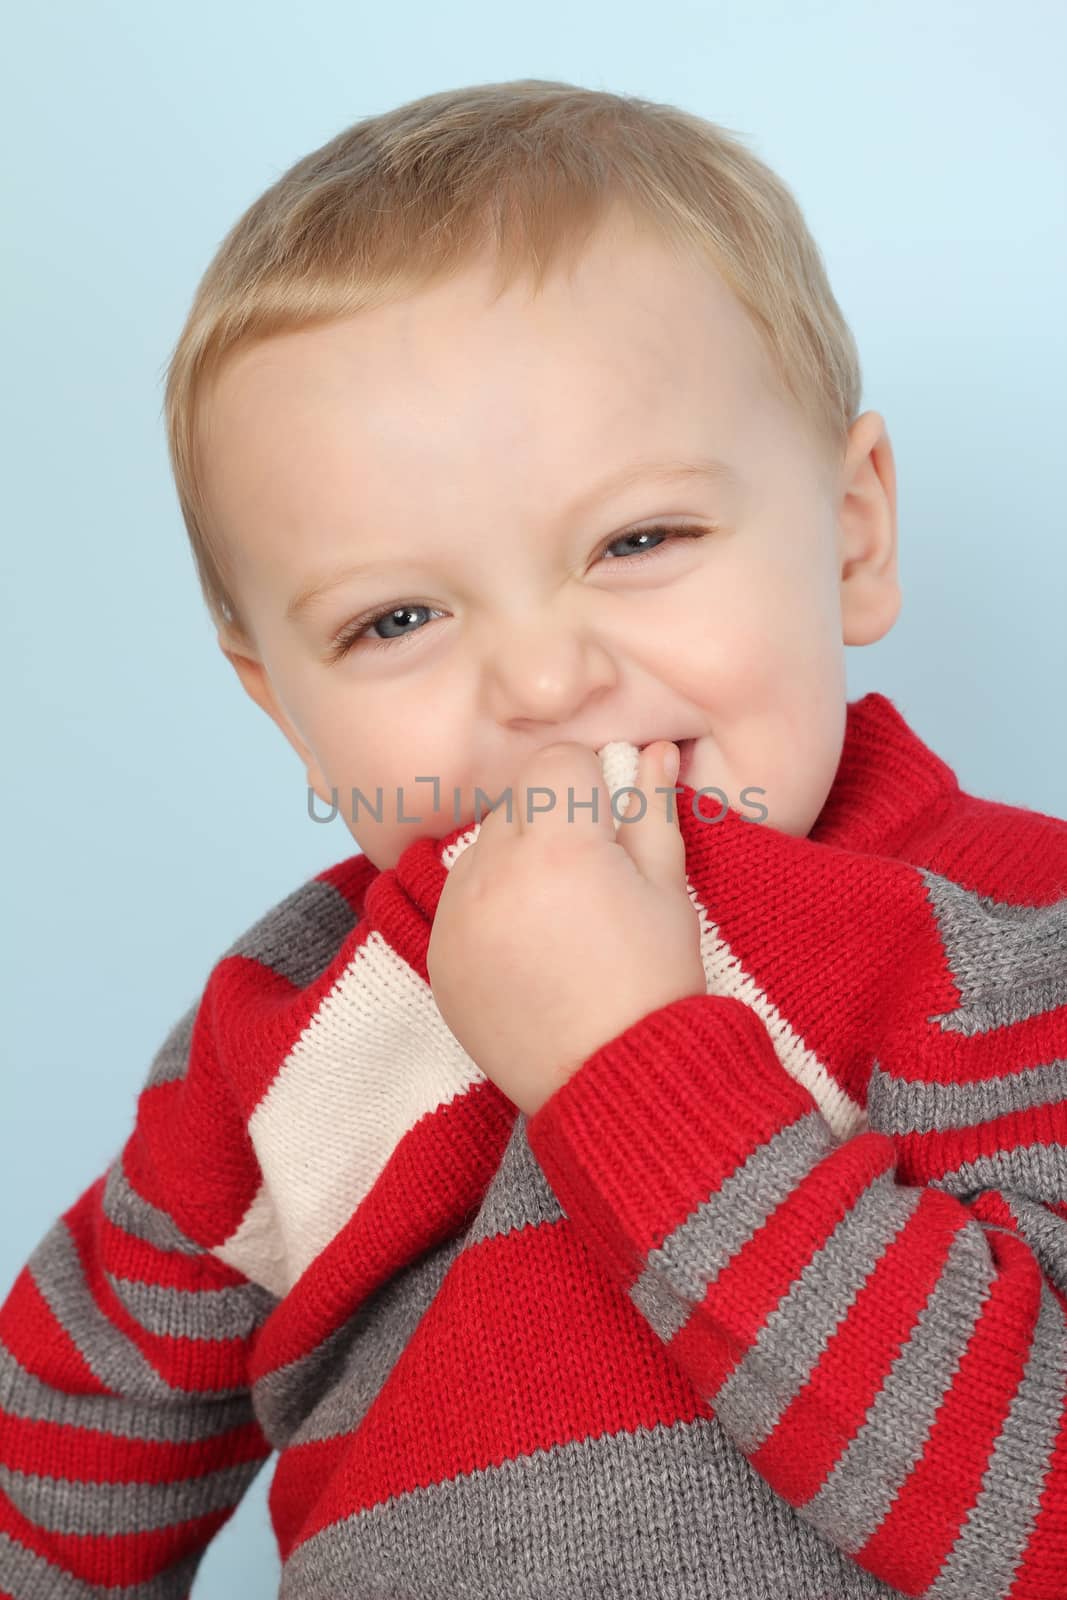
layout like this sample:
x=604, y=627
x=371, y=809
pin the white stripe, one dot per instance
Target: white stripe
x=726, y=976
x=375, y=1058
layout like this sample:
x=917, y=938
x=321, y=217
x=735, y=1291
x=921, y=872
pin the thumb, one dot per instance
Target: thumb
x=649, y=828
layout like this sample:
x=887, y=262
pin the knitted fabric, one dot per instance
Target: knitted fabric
x=767, y=1302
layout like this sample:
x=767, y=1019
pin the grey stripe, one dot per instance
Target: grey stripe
x=1006, y=960
x=299, y=937
x=679, y=1272
x=1034, y=1171
x=328, y=1393
x=111, y=1357
x=1045, y=1233
x=672, y=1512
x=67, y=1506
x=232, y=1312
x=990, y=1545
x=778, y=1365
x=124, y=1207
x=23, y=1395
x=171, y=1060
x=34, y=1578
x=519, y=1195
x=897, y=1106
x=858, y=1493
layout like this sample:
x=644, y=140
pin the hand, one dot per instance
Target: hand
x=554, y=935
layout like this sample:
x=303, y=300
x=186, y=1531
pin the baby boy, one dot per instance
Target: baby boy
x=573, y=1196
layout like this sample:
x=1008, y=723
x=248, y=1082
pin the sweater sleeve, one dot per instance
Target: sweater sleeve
x=879, y=1320
x=127, y=1435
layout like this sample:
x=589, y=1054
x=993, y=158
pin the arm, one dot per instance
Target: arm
x=127, y=1435
x=879, y=1320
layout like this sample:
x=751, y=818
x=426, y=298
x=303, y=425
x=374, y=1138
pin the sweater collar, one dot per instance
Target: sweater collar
x=886, y=784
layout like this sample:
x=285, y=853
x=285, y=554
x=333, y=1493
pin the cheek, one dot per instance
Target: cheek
x=416, y=776
x=724, y=645
x=365, y=738
x=759, y=645
x=788, y=613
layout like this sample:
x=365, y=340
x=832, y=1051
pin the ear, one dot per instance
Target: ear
x=256, y=681
x=867, y=533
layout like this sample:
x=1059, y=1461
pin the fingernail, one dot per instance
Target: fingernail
x=671, y=762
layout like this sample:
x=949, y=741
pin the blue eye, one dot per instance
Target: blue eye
x=642, y=533
x=353, y=633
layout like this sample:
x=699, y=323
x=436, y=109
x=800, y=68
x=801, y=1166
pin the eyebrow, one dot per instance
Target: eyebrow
x=706, y=468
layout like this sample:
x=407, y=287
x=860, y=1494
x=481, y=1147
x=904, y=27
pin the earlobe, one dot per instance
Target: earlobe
x=253, y=677
x=256, y=682
x=317, y=783
x=868, y=610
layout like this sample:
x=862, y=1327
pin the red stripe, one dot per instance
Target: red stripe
x=136, y=1259
x=934, y=1154
x=298, y=1483
x=934, y=1054
x=432, y=1184
x=754, y=1281
x=460, y=1399
x=913, y=1541
x=1002, y=851
x=41, y=1344
x=832, y=1405
x=112, y=1559
x=66, y=1451
x=808, y=895
x=191, y=1155
x=351, y=878
x=202, y=1365
x=258, y=1015
x=728, y=1096
x=1045, y=1557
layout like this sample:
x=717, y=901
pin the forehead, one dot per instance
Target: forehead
x=472, y=399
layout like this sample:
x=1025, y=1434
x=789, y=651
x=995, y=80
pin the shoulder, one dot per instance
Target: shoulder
x=261, y=992
x=1007, y=852
x=218, y=1059
x=300, y=935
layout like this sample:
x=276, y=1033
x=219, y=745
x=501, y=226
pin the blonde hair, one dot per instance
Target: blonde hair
x=528, y=167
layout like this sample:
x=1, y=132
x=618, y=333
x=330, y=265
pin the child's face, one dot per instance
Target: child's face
x=456, y=445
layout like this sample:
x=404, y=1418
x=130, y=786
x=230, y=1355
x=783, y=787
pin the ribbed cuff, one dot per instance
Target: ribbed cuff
x=657, y=1118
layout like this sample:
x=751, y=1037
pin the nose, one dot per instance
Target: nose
x=545, y=671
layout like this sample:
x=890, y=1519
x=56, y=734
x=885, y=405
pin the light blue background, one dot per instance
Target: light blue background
x=152, y=811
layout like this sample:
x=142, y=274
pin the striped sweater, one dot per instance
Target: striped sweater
x=767, y=1302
